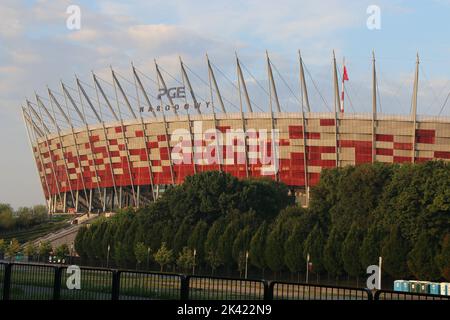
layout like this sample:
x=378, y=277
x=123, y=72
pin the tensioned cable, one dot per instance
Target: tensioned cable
x=445, y=102
x=76, y=98
x=253, y=77
x=207, y=85
x=436, y=97
x=198, y=77
x=378, y=94
x=232, y=83
x=399, y=87
x=317, y=89
x=59, y=119
x=104, y=104
x=71, y=108
x=285, y=82
x=429, y=85
x=224, y=98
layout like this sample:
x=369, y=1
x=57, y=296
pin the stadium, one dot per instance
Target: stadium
x=101, y=151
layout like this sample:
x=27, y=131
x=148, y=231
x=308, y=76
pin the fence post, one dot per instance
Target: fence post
x=268, y=290
x=115, y=285
x=57, y=283
x=377, y=294
x=7, y=281
x=184, y=288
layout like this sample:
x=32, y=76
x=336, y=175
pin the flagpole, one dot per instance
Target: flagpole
x=343, y=82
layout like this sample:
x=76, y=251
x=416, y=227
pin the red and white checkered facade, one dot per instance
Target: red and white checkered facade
x=128, y=155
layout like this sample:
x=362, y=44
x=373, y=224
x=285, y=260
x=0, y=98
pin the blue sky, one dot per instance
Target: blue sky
x=36, y=50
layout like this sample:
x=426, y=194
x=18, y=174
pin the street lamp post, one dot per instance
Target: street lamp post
x=71, y=253
x=193, y=265
x=246, y=264
x=148, y=258
x=307, y=268
x=380, y=262
x=107, y=256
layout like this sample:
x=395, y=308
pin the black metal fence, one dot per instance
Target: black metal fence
x=20, y=281
x=396, y=295
x=300, y=291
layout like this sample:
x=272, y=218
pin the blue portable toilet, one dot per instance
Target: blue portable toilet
x=406, y=286
x=398, y=285
x=435, y=288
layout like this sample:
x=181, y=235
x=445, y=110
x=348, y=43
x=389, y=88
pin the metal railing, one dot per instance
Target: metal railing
x=301, y=291
x=26, y=281
x=215, y=288
x=398, y=295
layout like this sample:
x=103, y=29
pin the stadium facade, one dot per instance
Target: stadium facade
x=105, y=165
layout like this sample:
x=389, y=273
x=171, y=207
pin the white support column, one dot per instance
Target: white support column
x=219, y=148
x=64, y=204
x=104, y=199
x=76, y=200
x=120, y=197
x=216, y=87
x=240, y=78
x=90, y=201
x=414, y=110
x=305, y=101
x=374, y=107
x=336, y=108
x=138, y=196
x=144, y=134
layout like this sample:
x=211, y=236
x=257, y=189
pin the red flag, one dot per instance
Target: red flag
x=345, y=76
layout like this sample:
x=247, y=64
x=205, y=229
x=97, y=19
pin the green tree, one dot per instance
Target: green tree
x=314, y=246
x=185, y=259
x=257, y=247
x=163, y=256
x=44, y=250
x=97, y=247
x=211, y=245
x=226, y=240
x=79, y=241
x=13, y=248
x=6, y=217
x=2, y=247
x=119, y=254
x=30, y=250
x=443, y=258
x=181, y=236
x=62, y=251
x=370, y=249
x=140, y=252
x=87, y=245
x=394, y=252
x=332, y=255
x=197, y=240
x=240, y=248
x=294, y=251
x=421, y=259
x=274, y=252
x=350, y=251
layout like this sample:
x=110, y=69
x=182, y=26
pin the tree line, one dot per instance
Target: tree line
x=22, y=218
x=356, y=214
